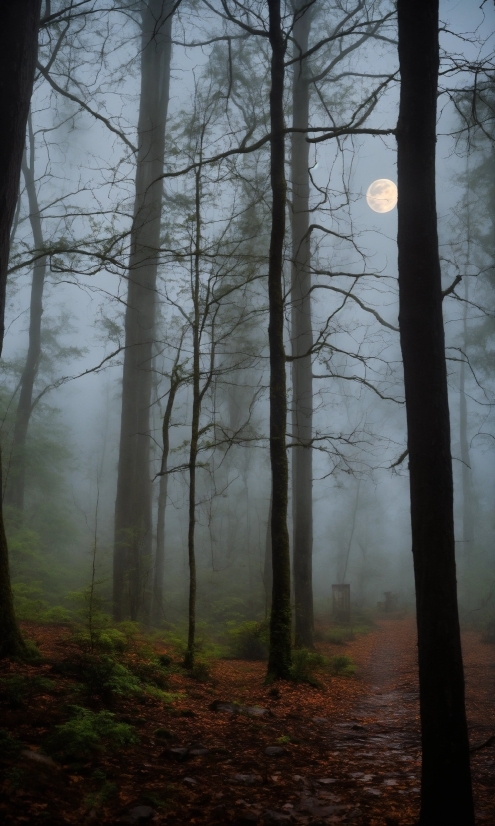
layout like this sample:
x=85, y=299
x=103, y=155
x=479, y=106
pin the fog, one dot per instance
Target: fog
x=85, y=184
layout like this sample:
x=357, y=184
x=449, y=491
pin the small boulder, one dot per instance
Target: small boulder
x=247, y=779
x=274, y=751
x=178, y=754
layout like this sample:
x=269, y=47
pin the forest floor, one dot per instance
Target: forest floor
x=346, y=752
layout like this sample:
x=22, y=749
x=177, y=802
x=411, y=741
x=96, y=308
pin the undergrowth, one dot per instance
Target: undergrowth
x=87, y=734
x=249, y=640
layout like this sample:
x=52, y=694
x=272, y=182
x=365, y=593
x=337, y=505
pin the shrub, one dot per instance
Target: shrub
x=88, y=733
x=342, y=665
x=306, y=664
x=101, y=676
x=150, y=672
x=17, y=690
x=338, y=636
x=249, y=641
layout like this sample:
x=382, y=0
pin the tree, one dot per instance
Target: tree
x=446, y=797
x=279, y=661
x=176, y=379
x=14, y=493
x=19, y=44
x=133, y=522
x=302, y=340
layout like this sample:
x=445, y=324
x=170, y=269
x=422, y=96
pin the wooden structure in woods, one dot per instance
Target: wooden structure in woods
x=390, y=604
x=341, y=603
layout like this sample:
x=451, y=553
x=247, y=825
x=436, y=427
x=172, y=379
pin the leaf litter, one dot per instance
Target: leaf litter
x=233, y=751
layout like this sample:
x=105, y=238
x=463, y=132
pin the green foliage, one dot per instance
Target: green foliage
x=87, y=734
x=106, y=790
x=228, y=610
x=342, y=665
x=150, y=672
x=101, y=676
x=249, y=641
x=18, y=690
x=306, y=665
x=337, y=636
x=200, y=671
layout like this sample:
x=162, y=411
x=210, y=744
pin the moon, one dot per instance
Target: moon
x=381, y=195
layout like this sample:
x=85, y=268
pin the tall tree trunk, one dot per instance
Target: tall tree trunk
x=302, y=341
x=193, y=448
x=18, y=50
x=279, y=659
x=14, y=492
x=133, y=526
x=446, y=797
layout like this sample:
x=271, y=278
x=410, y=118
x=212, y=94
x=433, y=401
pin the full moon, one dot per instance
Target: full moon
x=382, y=195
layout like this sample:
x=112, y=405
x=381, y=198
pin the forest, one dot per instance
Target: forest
x=247, y=303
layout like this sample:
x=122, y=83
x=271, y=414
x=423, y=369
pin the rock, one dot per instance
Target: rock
x=235, y=708
x=247, y=779
x=273, y=818
x=219, y=705
x=319, y=719
x=178, y=754
x=139, y=814
x=256, y=711
x=274, y=751
x=247, y=817
x=190, y=781
x=198, y=751
x=41, y=759
x=326, y=781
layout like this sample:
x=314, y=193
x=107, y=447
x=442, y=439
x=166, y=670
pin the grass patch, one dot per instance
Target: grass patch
x=342, y=666
x=306, y=665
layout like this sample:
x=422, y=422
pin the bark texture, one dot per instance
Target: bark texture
x=133, y=518
x=279, y=658
x=446, y=798
x=14, y=492
x=302, y=341
x=18, y=51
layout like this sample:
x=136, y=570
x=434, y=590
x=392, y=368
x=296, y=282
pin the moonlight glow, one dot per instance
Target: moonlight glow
x=382, y=195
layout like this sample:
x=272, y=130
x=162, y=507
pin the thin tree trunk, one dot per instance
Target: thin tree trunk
x=14, y=492
x=133, y=512
x=18, y=50
x=193, y=449
x=446, y=797
x=279, y=659
x=467, y=485
x=159, y=570
x=267, y=564
x=302, y=341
